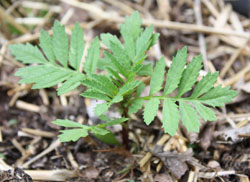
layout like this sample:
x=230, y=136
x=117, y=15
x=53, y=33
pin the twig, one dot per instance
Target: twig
x=157, y=23
x=54, y=145
x=12, y=21
x=202, y=43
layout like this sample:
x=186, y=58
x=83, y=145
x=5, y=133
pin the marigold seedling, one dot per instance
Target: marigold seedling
x=56, y=61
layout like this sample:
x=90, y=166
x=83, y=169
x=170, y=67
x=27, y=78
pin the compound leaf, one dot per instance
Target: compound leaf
x=157, y=77
x=189, y=117
x=175, y=71
x=76, y=47
x=150, y=110
x=60, y=43
x=170, y=119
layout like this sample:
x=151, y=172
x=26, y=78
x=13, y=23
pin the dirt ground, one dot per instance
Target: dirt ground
x=29, y=147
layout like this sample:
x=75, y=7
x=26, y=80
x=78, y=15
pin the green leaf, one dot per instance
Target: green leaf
x=60, y=43
x=90, y=64
x=116, y=65
x=135, y=106
x=130, y=31
x=146, y=70
x=71, y=83
x=110, y=122
x=218, y=96
x=68, y=123
x=72, y=135
x=189, y=117
x=95, y=95
x=101, y=108
x=175, y=71
x=142, y=43
x=114, y=74
x=120, y=55
x=205, y=84
x=117, y=98
x=51, y=79
x=170, y=119
x=140, y=89
x=154, y=39
x=104, y=81
x=47, y=45
x=97, y=86
x=107, y=38
x=76, y=47
x=98, y=130
x=27, y=53
x=43, y=76
x=190, y=75
x=128, y=87
x=150, y=110
x=157, y=77
x=206, y=113
x=109, y=138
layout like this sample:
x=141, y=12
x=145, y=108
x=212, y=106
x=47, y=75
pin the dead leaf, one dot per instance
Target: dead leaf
x=175, y=162
x=206, y=135
x=91, y=173
x=233, y=135
x=163, y=178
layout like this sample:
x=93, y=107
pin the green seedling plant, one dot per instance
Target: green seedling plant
x=123, y=63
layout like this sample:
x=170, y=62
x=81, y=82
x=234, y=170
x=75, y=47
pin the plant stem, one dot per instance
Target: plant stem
x=125, y=128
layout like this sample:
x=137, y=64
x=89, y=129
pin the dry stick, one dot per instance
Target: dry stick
x=54, y=145
x=202, y=43
x=210, y=175
x=12, y=21
x=27, y=106
x=40, y=133
x=122, y=6
x=232, y=59
x=235, y=78
x=52, y=175
x=157, y=23
x=225, y=14
x=44, y=175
